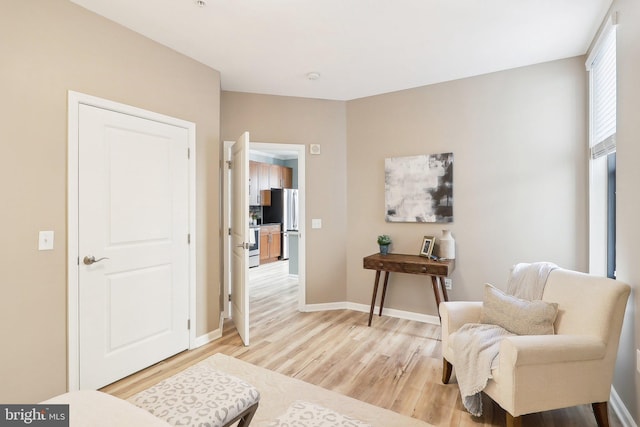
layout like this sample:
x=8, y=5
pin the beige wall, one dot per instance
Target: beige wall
x=520, y=178
x=49, y=47
x=627, y=379
x=288, y=120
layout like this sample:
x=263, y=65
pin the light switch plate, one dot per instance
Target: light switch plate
x=316, y=223
x=45, y=241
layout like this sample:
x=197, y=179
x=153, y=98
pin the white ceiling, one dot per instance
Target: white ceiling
x=359, y=47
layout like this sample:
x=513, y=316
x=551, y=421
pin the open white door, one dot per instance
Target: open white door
x=240, y=236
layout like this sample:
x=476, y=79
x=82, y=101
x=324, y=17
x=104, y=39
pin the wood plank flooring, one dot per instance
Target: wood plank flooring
x=394, y=364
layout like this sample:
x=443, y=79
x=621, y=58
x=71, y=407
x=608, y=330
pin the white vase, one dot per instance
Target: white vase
x=447, y=246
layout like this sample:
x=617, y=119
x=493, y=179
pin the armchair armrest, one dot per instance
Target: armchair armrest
x=454, y=314
x=545, y=349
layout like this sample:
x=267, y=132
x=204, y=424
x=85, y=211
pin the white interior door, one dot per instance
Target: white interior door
x=240, y=236
x=133, y=219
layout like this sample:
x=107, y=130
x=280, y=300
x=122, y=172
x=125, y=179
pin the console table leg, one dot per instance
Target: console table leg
x=384, y=291
x=436, y=292
x=444, y=289
x=375, y=293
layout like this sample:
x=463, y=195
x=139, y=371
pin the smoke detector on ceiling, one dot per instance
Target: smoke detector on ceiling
x=200, y=3
x=313, y=76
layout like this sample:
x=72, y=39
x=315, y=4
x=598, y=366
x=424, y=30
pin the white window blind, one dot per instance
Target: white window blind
x=602, y=67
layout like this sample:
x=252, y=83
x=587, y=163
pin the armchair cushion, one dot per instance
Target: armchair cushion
x=516, y=315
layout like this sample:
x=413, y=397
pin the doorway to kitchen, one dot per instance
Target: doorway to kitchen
x=276, y=247
x=275, y=219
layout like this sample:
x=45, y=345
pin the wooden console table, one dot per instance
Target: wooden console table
x=412, y=264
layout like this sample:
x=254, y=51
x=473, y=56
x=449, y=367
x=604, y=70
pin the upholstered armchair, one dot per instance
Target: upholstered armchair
x=572, y=366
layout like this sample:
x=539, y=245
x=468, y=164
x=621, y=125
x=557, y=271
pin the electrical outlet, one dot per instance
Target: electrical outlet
x=447, y=284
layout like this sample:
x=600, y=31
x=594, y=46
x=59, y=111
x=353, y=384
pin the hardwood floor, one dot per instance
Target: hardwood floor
x=394, y=364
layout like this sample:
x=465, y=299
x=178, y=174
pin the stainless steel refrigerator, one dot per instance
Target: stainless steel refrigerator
x=284, y=210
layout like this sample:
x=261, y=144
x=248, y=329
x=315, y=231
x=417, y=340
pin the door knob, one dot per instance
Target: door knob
x=243, y=245
x=88, y=260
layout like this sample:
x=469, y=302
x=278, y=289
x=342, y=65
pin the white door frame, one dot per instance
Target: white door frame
x=300, y=150
x=225, y=309
x=75, y=99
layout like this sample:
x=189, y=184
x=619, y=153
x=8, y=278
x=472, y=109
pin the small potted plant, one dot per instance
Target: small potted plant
x=384, y=241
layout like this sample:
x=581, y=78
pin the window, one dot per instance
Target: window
x=601, y=65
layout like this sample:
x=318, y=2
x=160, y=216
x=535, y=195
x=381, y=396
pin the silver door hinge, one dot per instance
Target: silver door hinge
x=229, y=231
x=229, y=297
x=188, y=153
x=229, y=163
x=189, y=324
x=189, y=239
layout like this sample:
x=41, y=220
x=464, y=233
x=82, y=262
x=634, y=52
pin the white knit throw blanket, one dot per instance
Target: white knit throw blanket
x=476, y=346
x=526, y=281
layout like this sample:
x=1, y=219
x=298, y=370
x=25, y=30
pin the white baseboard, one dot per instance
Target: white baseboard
x=308, y=308
x=400, y=314
x=621, y=411
x=207, y=338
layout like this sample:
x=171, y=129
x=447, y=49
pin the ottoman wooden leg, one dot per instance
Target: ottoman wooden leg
x=246, y=416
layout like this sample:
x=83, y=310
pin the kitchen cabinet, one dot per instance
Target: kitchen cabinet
x=276, y=244
x=265, y=198
x=275, y=176
x=280, y=176
x=254, y=183
x=287, y=177
x=270, y=243
x=265, y=176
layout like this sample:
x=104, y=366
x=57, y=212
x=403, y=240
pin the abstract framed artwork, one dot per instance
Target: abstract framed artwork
x=419, y=188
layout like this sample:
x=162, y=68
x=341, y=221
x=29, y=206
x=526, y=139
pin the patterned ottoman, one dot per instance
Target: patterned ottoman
x=306, y=414
x=200, y=396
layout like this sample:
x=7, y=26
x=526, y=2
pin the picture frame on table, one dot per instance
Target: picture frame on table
x=428, y=242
